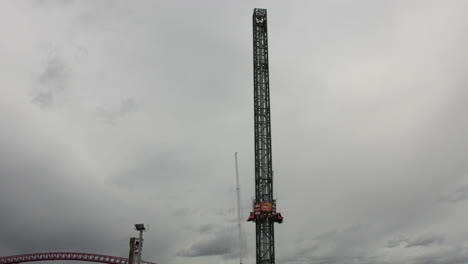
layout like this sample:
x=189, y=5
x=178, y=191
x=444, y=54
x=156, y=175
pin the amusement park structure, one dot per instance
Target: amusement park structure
x=74, y=256
x=264, y=206
x=136, y=245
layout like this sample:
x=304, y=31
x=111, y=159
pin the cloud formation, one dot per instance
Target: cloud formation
x=220, y=244
x=125, y=107
x=368, y=123
x=52, y=80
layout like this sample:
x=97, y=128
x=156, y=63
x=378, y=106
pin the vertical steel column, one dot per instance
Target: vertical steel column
x=263, y=158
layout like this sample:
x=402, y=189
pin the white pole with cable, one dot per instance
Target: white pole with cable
x=238, y=212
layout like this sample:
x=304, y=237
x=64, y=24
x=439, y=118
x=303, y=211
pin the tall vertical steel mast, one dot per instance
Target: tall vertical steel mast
x=241, y=240
x=264, y=206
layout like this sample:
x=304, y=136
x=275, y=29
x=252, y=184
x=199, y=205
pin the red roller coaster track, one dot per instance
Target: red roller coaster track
x=75, y=256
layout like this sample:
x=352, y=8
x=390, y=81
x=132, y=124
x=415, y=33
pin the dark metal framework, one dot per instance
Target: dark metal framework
x=263, y=158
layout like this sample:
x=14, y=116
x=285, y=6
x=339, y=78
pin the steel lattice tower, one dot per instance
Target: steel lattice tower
x=264, y=207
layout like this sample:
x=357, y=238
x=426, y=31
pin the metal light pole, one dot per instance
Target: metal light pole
x=140, y=228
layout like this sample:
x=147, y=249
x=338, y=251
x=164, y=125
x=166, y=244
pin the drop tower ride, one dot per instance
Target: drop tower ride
x=264, y=206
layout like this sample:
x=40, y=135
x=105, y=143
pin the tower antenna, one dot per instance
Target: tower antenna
x=241, y=240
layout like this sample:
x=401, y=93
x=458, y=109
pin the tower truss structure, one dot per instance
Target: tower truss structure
x=264, y=206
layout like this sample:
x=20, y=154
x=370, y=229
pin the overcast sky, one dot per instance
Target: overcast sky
x=120, y=112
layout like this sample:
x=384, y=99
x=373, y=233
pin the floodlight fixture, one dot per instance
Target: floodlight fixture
x=140, y=227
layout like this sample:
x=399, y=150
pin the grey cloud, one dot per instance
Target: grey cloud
x=334, y=246
x=395, y=242
x=356, y=244
x=39, y=212
x=425, y=241
x=207, y=228
x=419, y=241
x=52, y=80
x=51, y=3
x=162, y=161
x=180, y=213
x=437, y=254
x=44, y=98
x=349, y=234
x=124, y=108
x=459, y=195
x=221, y=244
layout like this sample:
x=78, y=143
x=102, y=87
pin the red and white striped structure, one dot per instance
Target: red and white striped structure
x=74, y=256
